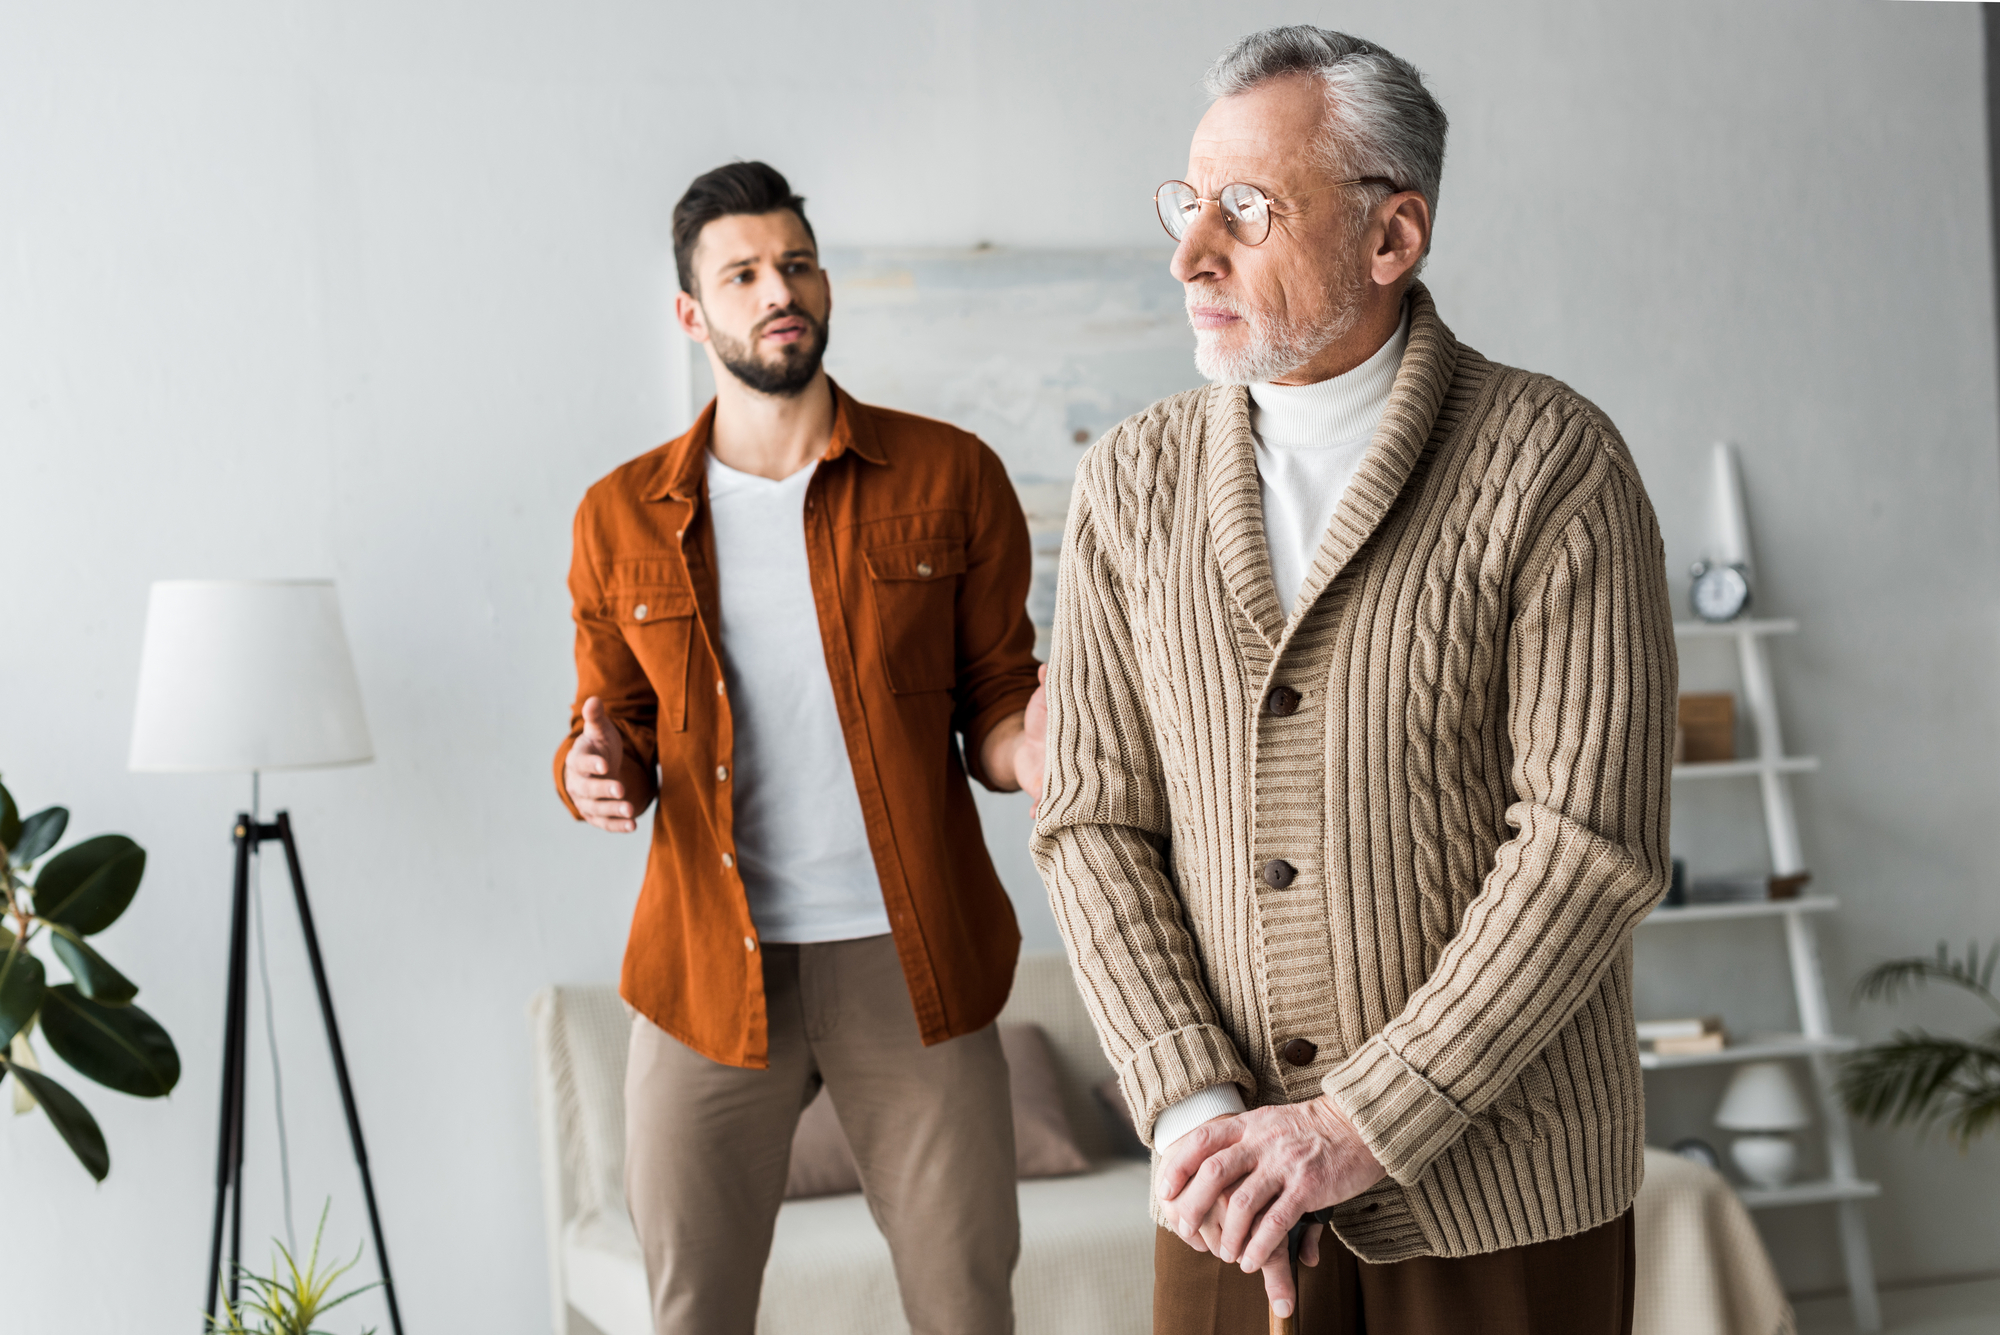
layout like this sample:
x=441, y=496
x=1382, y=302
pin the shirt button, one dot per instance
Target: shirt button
x=718, y=688
x=721, y=773
x=750, y=943
x=639, y=612
x=924, y=569
x=728, y=861
x=1299, y=1052
x=1278, y=873
x=1282, y=701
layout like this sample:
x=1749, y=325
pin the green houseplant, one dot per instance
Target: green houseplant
x=288, y=1300
x=89, y=1021
x=1929, y=1079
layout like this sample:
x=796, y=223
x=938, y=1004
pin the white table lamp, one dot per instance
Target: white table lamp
x=254, y=675
x=1762, y=1102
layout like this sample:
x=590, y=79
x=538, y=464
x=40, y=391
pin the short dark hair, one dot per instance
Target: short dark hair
x=735, y=187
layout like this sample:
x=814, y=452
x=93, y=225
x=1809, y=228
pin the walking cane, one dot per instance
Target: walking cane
x=1289, y=1325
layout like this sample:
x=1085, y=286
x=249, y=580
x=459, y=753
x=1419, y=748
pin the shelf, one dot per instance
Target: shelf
x=1808, y=1193
x=1760, y=908
x=1741, y=769
x=1747, y=626
x=1772, y=1047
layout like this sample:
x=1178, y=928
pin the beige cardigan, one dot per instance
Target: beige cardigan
x=1471, y=794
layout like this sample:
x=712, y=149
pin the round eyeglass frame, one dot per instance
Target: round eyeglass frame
x=1244, y=207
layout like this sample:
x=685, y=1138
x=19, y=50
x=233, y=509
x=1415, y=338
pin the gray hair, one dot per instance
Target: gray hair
x=1381, y=120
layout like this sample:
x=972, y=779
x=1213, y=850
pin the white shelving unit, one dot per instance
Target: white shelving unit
x=1815, y=1043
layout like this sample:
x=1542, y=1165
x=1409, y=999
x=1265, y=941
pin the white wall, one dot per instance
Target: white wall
x=374, y=290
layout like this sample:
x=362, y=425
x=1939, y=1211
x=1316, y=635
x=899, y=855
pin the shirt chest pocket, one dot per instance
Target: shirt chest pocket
x=916, y=603
x=658, y=622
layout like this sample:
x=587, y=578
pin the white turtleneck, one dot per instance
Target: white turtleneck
x=1310, y=442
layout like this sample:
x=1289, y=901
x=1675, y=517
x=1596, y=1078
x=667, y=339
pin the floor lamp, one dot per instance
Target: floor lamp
x=254, y=675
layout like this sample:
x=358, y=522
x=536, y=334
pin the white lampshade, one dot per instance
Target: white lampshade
x=1762, y=1097
x=246, y=675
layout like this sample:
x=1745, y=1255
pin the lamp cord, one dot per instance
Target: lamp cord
x=270, y=1022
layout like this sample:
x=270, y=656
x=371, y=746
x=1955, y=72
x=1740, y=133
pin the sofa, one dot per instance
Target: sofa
x=1086, y=1240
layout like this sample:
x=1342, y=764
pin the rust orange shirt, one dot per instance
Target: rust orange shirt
x=920, y=567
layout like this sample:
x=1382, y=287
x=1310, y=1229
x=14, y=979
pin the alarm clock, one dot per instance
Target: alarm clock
x=1719, y=592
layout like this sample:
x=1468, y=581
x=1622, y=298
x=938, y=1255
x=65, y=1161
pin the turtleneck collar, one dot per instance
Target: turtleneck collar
x=1332, y=412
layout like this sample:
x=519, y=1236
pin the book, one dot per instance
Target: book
x=1685, y=1037
x=1688, y=1047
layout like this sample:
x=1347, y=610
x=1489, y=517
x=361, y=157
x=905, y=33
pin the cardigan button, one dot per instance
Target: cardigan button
x=1282, y=701
x=1299, y=1052
x=1279, y=873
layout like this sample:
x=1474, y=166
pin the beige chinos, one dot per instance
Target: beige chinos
x=708, y=1147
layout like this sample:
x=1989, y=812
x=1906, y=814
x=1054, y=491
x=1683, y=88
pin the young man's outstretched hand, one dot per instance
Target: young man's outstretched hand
x=1236, y=1184
x=608, y=789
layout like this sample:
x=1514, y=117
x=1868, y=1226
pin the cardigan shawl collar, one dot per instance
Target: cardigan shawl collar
x=1236, y=511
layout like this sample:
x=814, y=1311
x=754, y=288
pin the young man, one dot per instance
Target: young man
x=1360, y=731
x=788, y=620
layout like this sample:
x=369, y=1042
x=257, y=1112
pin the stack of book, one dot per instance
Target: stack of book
x=1682, y=1038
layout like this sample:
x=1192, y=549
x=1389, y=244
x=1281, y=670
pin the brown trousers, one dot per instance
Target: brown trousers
x=708, y=1146
x=1579, y=1285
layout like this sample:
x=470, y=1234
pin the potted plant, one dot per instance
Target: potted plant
x=1924, y=1078
x=288, y=1300
x=89, y=1021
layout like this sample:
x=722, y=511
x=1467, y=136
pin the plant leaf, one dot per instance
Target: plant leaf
x=87, y=885
x=22, y=983
x=1916, y=1078
x=72, y=1120
x=39, y=833
x=120, y=1047
x=22, y=1053
x=1889, y=980
x=94, y=976
x=10, y=818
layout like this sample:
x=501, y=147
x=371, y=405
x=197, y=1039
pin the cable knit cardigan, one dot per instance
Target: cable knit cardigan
x=1427, y=864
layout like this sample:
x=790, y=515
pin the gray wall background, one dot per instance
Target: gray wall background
x=374, y=290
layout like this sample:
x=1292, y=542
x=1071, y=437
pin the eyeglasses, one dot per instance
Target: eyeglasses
x=1246, y=210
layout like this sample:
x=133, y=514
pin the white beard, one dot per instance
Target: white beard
x=1275, y=347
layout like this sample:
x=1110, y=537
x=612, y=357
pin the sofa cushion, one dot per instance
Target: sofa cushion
x=1044, y=1144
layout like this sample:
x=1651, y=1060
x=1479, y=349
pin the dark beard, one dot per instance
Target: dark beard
x=790, y=373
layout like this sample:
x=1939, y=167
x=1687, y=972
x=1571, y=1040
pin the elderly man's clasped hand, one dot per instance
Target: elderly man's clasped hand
x=1235, y=1185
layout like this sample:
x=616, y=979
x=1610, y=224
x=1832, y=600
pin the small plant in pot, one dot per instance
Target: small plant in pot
x=289, y=1300
x=1923, y=1078
x=89, y=1021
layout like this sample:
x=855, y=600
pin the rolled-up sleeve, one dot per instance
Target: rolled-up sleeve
x=995, y=641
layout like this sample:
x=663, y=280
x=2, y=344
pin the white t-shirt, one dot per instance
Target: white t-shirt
x=801, y=842
x=1310, y=443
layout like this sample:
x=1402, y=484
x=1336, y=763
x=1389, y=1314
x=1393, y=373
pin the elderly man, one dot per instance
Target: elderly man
x=1359, y=739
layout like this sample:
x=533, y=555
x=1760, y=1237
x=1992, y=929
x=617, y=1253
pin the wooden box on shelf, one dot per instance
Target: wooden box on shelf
x=1707, y=730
